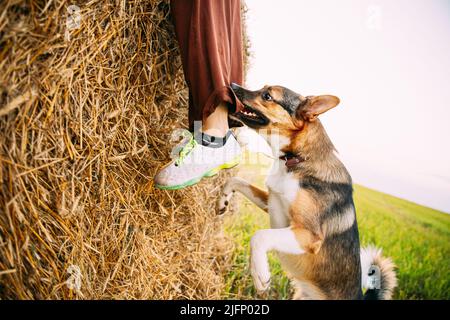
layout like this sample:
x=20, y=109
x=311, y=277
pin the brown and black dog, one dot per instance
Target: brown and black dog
x=309, y=200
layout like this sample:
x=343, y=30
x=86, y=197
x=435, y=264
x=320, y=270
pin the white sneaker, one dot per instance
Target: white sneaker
x=196, y=161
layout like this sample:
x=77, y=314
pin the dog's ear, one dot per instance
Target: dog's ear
x=316, y=105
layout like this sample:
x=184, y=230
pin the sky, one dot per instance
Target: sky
x=389, y=63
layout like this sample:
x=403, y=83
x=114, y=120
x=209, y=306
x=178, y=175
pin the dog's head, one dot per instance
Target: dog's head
x=276, y=107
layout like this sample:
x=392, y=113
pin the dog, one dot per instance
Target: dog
x=310, y=202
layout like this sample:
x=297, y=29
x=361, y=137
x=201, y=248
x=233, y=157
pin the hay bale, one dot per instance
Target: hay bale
x=86, y=107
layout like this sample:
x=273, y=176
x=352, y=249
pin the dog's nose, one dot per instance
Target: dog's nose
x=235, y=86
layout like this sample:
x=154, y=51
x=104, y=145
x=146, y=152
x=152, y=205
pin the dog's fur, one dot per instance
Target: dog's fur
x=310, y=201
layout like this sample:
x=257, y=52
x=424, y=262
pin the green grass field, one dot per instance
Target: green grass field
x=415, y=237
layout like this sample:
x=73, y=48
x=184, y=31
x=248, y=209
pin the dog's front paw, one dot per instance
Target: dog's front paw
x=225, y=197
x=224, y=201
x=259, y=266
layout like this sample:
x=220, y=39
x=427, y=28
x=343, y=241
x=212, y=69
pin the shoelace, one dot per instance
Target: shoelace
x=184, y=152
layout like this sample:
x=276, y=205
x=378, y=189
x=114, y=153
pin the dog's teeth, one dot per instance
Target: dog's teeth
x=249, y=113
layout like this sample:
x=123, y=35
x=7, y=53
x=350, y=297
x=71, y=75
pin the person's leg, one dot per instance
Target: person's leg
x=209, y=34
x=216, y=124
x=210, y=42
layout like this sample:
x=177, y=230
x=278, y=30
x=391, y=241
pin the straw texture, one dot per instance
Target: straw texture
x=87, y=106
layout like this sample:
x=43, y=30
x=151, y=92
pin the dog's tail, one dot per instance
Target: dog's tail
x=378, y=275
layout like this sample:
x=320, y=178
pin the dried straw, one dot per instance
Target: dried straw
x=85, y=116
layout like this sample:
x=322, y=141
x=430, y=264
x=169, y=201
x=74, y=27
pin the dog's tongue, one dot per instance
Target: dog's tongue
x=292, y=162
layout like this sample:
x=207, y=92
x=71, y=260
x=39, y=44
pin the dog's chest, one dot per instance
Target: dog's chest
x=283, y=187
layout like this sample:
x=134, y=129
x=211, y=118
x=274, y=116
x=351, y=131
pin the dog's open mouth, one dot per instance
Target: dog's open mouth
x=251, y=116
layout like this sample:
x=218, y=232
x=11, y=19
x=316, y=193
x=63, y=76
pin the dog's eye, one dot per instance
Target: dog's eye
x=266, y=96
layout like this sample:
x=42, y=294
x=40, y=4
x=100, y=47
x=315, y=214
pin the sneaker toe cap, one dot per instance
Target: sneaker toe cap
x=161, y=178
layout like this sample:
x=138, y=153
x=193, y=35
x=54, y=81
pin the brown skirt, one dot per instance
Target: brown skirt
x=209, y=33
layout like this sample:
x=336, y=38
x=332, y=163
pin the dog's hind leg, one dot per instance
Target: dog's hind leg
x=282, y=240
x=253, y=193
x=291, y=240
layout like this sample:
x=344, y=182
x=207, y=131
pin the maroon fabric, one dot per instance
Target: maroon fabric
x=209, y=33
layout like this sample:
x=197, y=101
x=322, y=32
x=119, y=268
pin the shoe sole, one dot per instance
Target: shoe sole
x=209, y=173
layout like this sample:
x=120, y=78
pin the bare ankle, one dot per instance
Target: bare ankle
x=215, y=132
x=217, y=123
